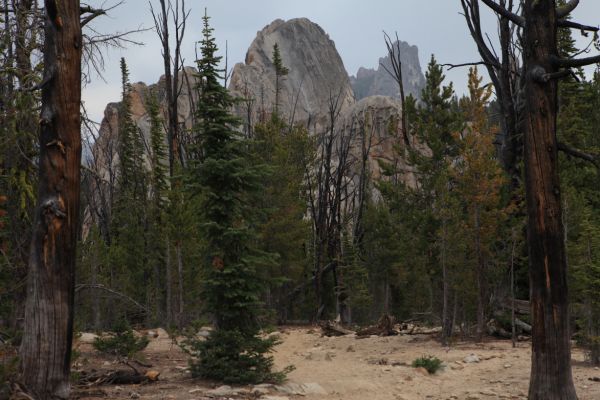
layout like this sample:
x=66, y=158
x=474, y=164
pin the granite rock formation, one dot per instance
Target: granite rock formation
x=371, y=82
x=316, y=73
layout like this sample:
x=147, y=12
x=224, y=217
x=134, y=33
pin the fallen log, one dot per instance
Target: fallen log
x=331, y=328
x=118, y=377
x=384, y=327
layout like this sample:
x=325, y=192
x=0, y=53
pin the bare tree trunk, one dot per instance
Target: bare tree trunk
x=95, y=299
x=48, y=329
x=512, y=291
x=551, y=376
x=480, y=279
x=446, y=333
x=180, y=280
x=169, y=283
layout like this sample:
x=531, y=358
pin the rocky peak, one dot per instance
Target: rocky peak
x=370, y=82
x=316, y=72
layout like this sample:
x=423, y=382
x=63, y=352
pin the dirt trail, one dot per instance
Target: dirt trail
x=347, y=368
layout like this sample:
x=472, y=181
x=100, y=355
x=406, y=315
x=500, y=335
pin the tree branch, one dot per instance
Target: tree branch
x=574, y=152
x=574, y=62
x=516, y=19
x=565, y=10
x=563, y=23
x=471, y=64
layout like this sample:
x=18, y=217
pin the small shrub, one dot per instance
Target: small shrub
x=122, y=343
x=431, y=363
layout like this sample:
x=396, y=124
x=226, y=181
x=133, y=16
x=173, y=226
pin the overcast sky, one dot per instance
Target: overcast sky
x=356, y=27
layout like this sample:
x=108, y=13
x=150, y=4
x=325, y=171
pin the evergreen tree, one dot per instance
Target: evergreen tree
x=129, y=247
x=479, y=183
x=281, y=226
x=232, y=285
x=576, y=126
x=280, y=72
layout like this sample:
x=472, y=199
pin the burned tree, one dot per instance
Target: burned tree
x=551, y=376
x=47, y=337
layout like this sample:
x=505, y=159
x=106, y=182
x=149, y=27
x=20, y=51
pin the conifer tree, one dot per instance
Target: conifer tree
x=434, y=122
x=232, y=286
x=479, y=183
x=128, y=250
x=158, y=202
x=280, y=72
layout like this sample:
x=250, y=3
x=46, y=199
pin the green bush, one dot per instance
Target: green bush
x=233, y=358
x=431, y=363
x=122, y=342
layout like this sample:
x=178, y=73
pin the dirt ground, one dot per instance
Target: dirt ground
x=347, y=368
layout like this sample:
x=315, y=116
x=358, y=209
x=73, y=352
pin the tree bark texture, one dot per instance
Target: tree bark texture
x=551, y=376
x=47, y=336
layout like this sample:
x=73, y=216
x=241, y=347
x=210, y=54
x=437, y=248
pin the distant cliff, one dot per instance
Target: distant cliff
x=316, y=72
x=374, y=82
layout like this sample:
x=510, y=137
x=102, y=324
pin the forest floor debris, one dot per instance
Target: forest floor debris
x=376, y=368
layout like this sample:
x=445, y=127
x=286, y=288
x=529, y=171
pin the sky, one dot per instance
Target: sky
x=356, y=27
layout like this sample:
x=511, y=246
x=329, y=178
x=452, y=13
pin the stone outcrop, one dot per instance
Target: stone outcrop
x=377, y=119
x=316, y=72
x=105, y=149
x=371, y=82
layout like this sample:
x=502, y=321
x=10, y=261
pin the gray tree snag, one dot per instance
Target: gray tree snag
x=551, y=375
x=47, y=337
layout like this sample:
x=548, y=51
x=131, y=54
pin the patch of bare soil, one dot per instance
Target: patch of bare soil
x=347, y=368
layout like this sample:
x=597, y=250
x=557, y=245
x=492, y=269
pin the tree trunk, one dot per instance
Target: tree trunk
x=180, y=282
x=480, y=278
x=446, y=322
x=551, y=376
x=169, y=284
x=48, y=329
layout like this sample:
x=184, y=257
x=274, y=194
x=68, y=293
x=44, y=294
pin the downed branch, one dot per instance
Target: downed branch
x=384, y=327
x=331, y=328
x=118, y=377
x=120, y=295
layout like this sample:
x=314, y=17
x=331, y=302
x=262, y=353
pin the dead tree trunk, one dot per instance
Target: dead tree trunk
x=480, y=279
x=47, y=336
x=551, y=376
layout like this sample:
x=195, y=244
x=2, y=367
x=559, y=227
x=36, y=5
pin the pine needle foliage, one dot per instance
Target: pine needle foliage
x=225, y=179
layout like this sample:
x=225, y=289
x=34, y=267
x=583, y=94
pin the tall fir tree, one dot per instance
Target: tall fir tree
x=225, y=178
x=129, y=246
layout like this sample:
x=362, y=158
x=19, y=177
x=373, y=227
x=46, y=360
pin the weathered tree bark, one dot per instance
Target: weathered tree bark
x=169, y=283
x=551, y=376
x=180, y=315
x=47, y=336
x=480, y=279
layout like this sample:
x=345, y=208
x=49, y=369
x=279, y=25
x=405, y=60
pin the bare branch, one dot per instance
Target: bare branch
x=514, y=18
x=563, y=23
x=471, y=64
x=574, y=62
x=574, y=152
x=567, y=9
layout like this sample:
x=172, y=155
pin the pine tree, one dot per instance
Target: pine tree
x=158, y=204
x=576, y=126
x=434, y=123
x=280, y=72
x=479, y=183
x=232, y=286
x=281, y=226
x=129, y=247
